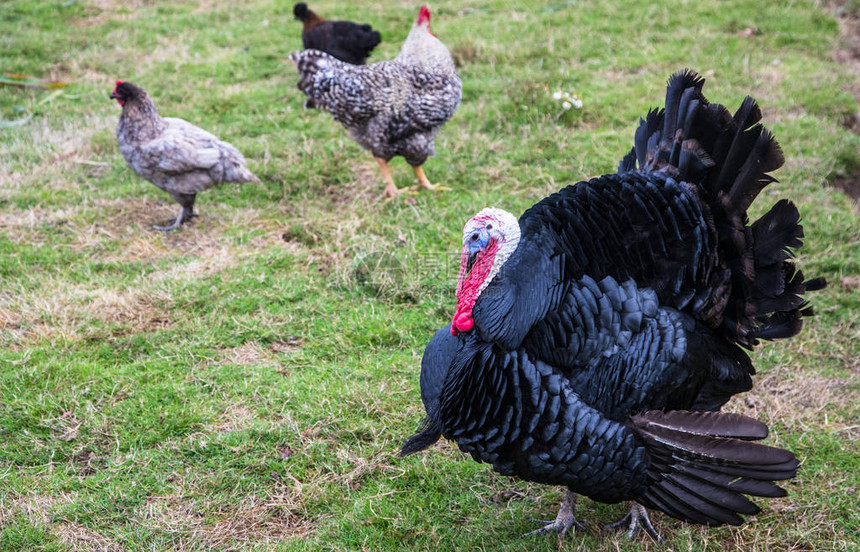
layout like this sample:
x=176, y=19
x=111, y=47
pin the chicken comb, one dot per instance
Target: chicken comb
x=423, y=14
x=117, y=84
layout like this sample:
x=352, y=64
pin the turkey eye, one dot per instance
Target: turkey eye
x=475, y=236
x=489, y=227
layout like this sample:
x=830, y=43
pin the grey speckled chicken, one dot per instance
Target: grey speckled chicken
x=178, y=157
x=393, y=107
x=596, y=337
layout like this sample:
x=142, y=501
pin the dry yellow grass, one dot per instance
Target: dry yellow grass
x=268, y=518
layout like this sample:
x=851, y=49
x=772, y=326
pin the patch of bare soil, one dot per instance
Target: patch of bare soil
x=848, y=51
x=848, y=54
x=789, y=396
x=849, y=183
x=84, y=539
x=253, y=519
x=248, y=354
x=36, y=508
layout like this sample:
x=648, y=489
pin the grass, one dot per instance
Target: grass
x=244, y=383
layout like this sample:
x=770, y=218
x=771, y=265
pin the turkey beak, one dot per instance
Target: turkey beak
x=475, y=243
x=470, y=262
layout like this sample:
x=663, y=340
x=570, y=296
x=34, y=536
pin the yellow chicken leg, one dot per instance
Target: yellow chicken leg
x=422, y=178
x=391, y=190
x=423, y=183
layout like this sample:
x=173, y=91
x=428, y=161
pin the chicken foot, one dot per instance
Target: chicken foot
x=185, y=214
x=423, y=182
x=636, y=520
x=564, y=521
x=391, y=190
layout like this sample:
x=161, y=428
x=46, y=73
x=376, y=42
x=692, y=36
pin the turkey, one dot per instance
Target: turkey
x=596, y=338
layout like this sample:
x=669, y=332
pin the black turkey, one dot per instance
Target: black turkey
x=596, y=338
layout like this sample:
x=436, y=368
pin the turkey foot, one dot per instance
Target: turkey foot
x=564, y=521
x=636, y=520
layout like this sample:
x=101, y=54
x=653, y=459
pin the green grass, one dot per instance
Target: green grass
x=245, y=383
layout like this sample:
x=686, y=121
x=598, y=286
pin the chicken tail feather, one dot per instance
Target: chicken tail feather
x=246, y=175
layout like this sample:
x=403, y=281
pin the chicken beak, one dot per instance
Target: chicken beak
x=113, y=95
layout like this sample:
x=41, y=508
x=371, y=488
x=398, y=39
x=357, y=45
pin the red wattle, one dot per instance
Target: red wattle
x=462, y=322
x=469, y=285
x=465, y=322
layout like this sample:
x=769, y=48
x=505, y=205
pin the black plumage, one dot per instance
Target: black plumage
x=592, y=357
x=347, y=41
x=438, y=356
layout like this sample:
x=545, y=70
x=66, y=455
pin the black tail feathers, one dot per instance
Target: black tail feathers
x=772, y=304
x=366, y=39
x=429, y=433
x=679, y=138
x=702, y=143
x=728, y=158
x=703, y=463
x=300, y=10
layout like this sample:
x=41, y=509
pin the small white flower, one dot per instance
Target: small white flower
x=577, y=103
x=566, y=105
x=556, y=95
x=567, y=95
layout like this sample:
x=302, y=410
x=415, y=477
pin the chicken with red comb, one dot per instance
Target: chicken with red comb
x=392, y=108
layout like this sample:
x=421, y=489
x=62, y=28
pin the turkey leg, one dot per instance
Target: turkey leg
x=564, y=520
x=636, y=520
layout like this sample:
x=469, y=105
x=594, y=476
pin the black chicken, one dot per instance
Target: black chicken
x=596, y=338
x=345, y=40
